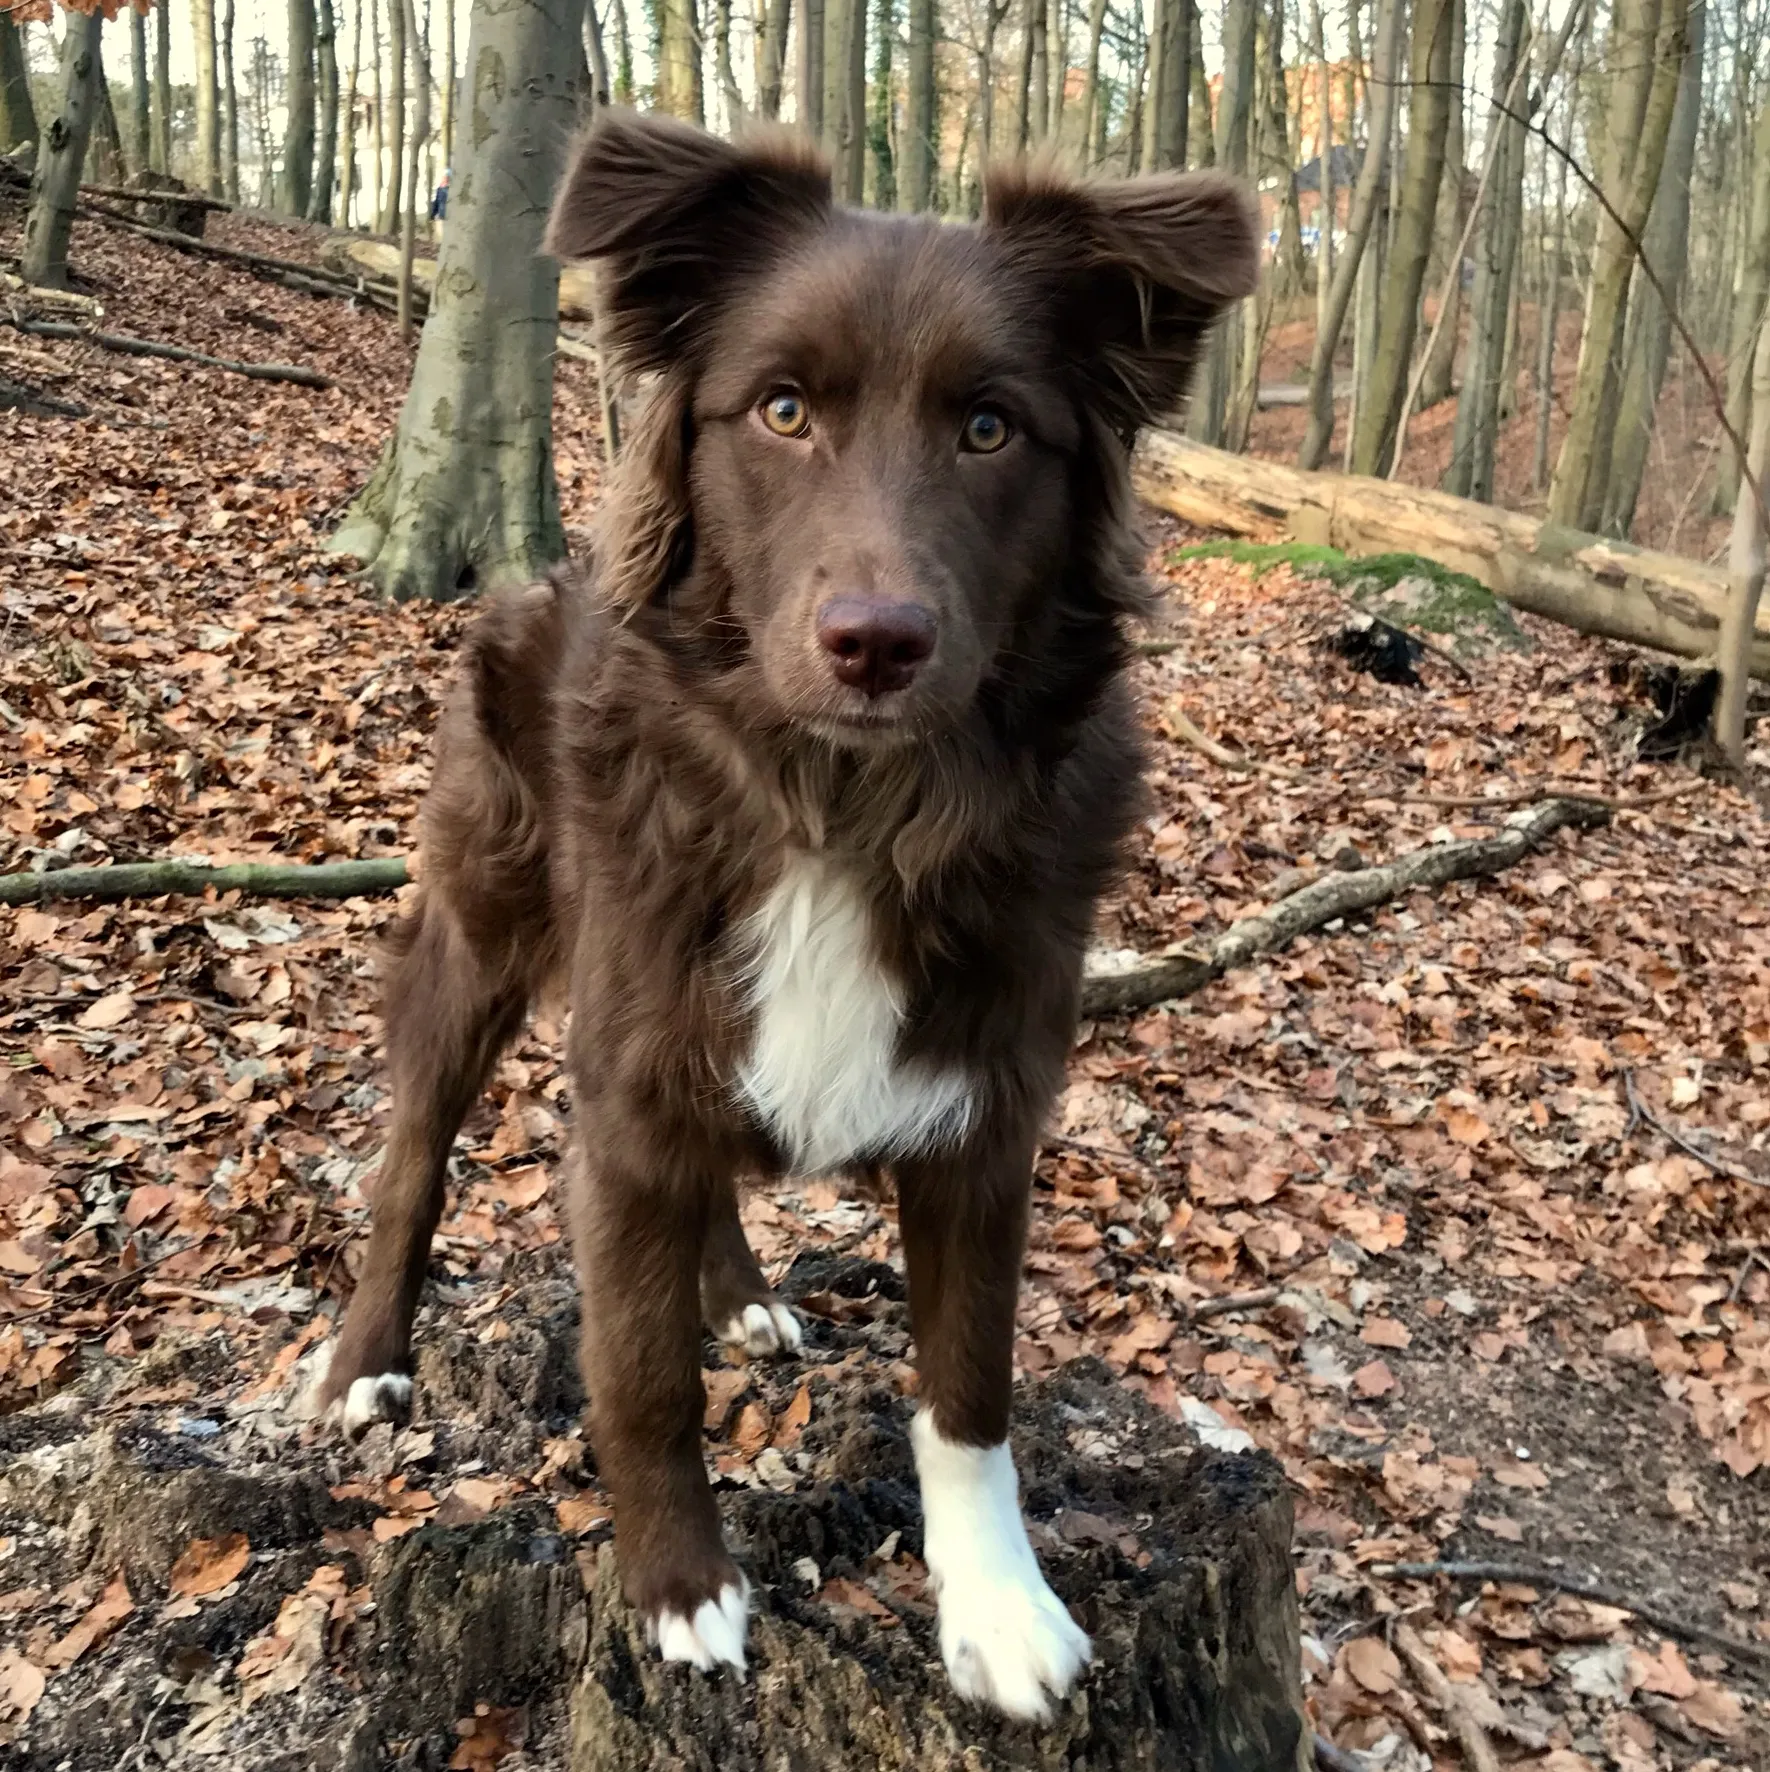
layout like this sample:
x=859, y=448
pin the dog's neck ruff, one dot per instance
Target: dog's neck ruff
x=823, y=1073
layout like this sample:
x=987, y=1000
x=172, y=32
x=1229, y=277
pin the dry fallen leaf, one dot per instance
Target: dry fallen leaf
x=21, y=1685
x=105, y=1614
x=1666, y=1672
x=1715, y=1710
x=1373, y=1664
x=582, y=1513
x=1374, y=1379
x=1386, y=1332
x=109, y=1012
x=488, y=1736
x=794, y=1418
x=207, y=1565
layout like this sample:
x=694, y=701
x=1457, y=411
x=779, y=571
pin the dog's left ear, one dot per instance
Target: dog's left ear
x=1138, y=269
x=676, y=216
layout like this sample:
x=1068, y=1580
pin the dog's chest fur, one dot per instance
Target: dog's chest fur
x=822, y=1072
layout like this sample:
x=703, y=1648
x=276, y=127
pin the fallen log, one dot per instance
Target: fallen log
x=159, y=879
x=21, y=294
x=335, y=1645
x=344, y=253
x=1166, y=976
x=166, y=196
x=1587, y=582
x=149, y=347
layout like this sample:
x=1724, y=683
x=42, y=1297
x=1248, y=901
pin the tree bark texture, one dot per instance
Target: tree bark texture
x=1438, y=376
x=1646, y=65
x=845, y=95
x=811, y=68
x=55, y=185
x=1093, y=112
x=1367, y=198
x=881, y=95
x=449, y=79
x=412, y=184
x=1751, y=293
x=1428, y=119
x=464, y=494
x=230, y=108
x=140, y=146
x=1471, y=470
x=393, y=128
x=296, y=184
x=777, y=23
x=18, y=116
x=1592, y=583
x=376, y=189
x=1748, y=553
x=919, y=158
x=208, y=97
x=162, y=87
x=348, y=182
x=1647, y=343
x=1196, y=1651
x=679, y=61
x=325, y=163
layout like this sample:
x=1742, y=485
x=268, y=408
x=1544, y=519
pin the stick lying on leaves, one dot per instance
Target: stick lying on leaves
x=148, y=347
x=154, y=879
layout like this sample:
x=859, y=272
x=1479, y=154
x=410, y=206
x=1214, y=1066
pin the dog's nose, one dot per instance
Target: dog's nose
x=874, y=645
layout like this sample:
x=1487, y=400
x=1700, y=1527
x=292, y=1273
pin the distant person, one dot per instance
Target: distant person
x=439, y=203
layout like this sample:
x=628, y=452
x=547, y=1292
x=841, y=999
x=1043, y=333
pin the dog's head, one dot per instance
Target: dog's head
x=884, y=460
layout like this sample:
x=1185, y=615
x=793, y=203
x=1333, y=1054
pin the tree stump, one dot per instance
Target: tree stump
x=342, y=1647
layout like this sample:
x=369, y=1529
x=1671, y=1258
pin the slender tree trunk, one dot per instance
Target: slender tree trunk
x=379, y=205
x=1092, y=109
x=415, y=195
x=879, y=106
x=1209, y=412
x=595, y=47
x=915, y=187
x=1641, y=106
x=140, y=105
x=1438, y=381
x=624, y=88
x=723, y=70
x=55, y=184
x=777, y=20
x=1326, y=203
x=1170, y=100
x=1038, y=119
x=464, y=495
x=844, y=106
x=230, y=108
x=104, y=152
x=162, y=147
x=347, y=173
x=18, y=116
x=1428, y=120
x=395, y=126
x=1750, y=549
x=296, y=186
x=1751, y=289
x=680, y=91
x=1477, y=431
x=1157, y=56
x=208, y=97
x=1647, y=346
x=1023, y=87
x=811, y=68
x=1367, y=197
x=1201, y=136
x=325, y=161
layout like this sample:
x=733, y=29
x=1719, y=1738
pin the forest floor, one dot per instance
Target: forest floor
x=1490, y=1164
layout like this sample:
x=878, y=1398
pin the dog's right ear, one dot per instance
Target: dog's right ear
x=674, y=213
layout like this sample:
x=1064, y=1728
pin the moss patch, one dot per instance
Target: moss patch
x=1406, y=589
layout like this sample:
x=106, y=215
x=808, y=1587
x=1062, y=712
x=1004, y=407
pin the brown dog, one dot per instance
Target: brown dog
x=807, y=789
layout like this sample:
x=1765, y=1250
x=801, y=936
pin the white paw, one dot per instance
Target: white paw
x=761, y=1329
x=1006, y=1638
x=713, y=1635
x=385, y=1397
x=1012, y=1645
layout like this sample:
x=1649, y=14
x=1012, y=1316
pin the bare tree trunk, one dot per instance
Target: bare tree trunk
x=1746, y=566
x=1039, y=72
x=879, y=107
x=623, y=54
x=1477, y=432
x=140, y=106
x=723, y=70
x=55, y=184
x=1647, y=346
x=18, y=116
x=595, y=47
x=844, y=113
x=325, y=160
x=377, y=192
x=1367, y=196
x=680, y=90
x=419, y=56
x=1091, y=106
x=230, y=108
x=464, y=495
x=1325, y=204
x=1751, y=290
x=1023, y=88
x=296, y=185
x=915, y=186
x=394, y=128
x=1439, y=380
x=811, y=68
x=777, y=21
x=1548, y=319
x=162, y=147
x=347, y=171
x=1209, y=412
x=208, y=97
x=1641, y=105
x=1201, y=129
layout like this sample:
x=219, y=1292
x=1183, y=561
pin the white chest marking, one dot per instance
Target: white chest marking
x=823, y=1073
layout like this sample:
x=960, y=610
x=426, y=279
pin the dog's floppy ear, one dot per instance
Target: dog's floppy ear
x=673, y=213
x=1138, y=269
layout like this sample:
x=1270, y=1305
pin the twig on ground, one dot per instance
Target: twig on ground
x=1226, y=1302
x=1525, y=795
x=156, y=879
x=1157, y=648
x=1478, y=1754
x=1642, y=1115
x=1581, y=1587
x=149, y=347
x=1176, y=722
x=1754, y=1258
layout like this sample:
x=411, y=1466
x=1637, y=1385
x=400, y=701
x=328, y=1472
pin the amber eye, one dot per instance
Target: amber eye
x=986, y=431
x=786, y=414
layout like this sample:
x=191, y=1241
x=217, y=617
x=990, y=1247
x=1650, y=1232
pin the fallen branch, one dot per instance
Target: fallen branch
x=1583, y=1588
x=1478, y=1754
x=148, y=347
x=1177, y=724
x=1339, y=895
x=157, y=879
x=1545, y=790
x=34, y=295
x=1642, y=1115
x=172, y=196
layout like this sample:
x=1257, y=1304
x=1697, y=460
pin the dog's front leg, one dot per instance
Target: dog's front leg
x=1006, y=1638
x=639, y=1239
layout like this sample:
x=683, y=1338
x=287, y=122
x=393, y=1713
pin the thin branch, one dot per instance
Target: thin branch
x=1642, y=1115
x=148, y=347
